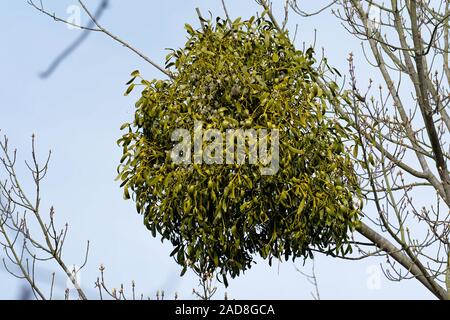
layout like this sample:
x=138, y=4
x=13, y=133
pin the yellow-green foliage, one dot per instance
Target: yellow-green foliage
x=219, y=216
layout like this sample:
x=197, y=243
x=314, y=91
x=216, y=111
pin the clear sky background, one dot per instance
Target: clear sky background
x=77, y=114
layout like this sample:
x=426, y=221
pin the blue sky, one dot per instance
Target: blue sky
x=77, y=114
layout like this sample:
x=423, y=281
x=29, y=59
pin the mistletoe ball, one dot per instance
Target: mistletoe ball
x=243, y=77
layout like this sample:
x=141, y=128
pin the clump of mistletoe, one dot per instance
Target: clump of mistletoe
x=241, y=75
